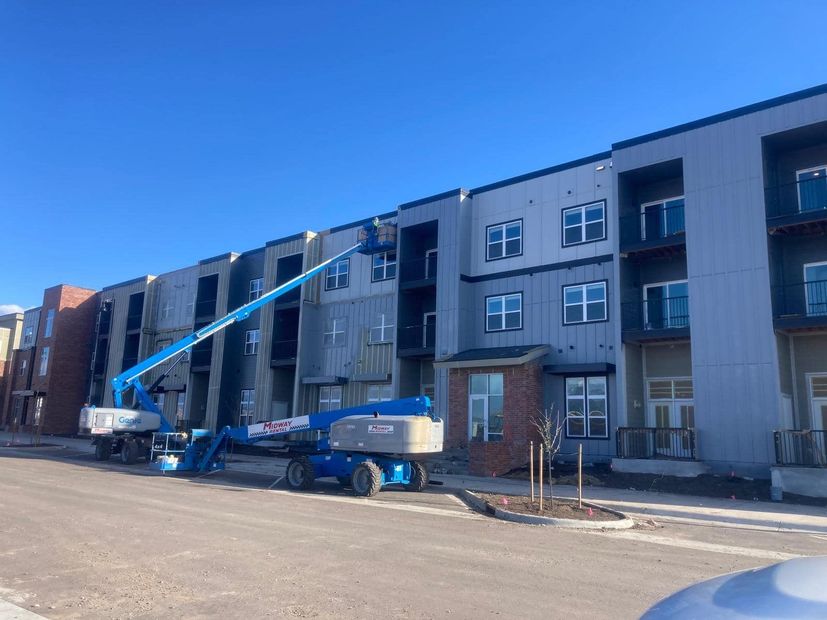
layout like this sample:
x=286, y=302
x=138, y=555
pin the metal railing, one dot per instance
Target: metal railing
x=205, y=307
x=803, y=448
x=656, y=443
x=659, y=313
x=416, y=336
x=801, y=300
x=133, y=321
x=652, y=225
x=805, y=196
x=418, y=269
x=284, y=349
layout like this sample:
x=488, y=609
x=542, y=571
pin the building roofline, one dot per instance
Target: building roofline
x=214, y=259
x=128, y=282
x=381, y=216
x=441, y=196
x=298, y=235
x=723, y=116
x=11, y=314
x=589, y=159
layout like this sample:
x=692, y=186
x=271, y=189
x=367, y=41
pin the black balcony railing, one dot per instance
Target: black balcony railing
x=201, y=356
x=284, y=349
x=656, y=443
x=804, y=197
x=205, y=307
x=418, y=269
x=133, y=322
x=416, y=336
x=659, y=313
x=802, y=448
x=805, y=299
x=653, y=225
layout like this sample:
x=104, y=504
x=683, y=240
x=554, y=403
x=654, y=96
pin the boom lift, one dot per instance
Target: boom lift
x=359, y=453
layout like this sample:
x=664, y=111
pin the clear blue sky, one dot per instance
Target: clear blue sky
x=138, y=137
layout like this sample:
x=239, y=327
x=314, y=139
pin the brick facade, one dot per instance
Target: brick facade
x=522, y=402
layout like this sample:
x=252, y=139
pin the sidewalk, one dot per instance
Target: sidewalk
x=690, y=509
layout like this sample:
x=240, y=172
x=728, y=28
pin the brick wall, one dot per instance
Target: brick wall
x=522, y=402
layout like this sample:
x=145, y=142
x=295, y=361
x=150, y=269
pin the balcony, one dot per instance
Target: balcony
x=656, y=232
x=800, y=306
x=656, y=443
x=798, y=208
x=800, y=448
x=201, y=356
x=418, y=272
x=133, y=322
x=284, y=353
x=652, y=320
x=205, y=310
x=416, y=340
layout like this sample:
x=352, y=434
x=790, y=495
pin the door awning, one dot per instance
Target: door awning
x=494, y=356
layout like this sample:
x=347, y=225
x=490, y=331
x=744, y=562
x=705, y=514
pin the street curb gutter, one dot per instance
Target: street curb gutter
x=481, y=505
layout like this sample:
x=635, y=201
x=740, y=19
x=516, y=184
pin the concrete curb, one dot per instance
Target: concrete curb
x=480, y=504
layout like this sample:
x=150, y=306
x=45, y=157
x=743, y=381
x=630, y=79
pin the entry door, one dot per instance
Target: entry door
x=478, y=418
x=429, y=329
x=818, y=398
x=673, y=414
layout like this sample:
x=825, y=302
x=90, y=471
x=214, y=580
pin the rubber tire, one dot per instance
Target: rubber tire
x=103, y=450
x=300, y=474
x=419, y=477
x=130, y=452
x=366, y=479
x=344, y=481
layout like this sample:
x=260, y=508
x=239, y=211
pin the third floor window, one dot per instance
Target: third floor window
x=256, y=288
x=384, y=266
x=337, y=275
x=584, y=223
x=504, y=240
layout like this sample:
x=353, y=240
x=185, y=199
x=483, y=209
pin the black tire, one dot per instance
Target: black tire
x=366, y=479
x=419, y=477
x=130, y=452
x=103, y=450
x=344, y=481
x=300, y=474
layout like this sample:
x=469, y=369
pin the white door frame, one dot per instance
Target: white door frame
x=798, y=182
x=815, y=403
x=652, y=203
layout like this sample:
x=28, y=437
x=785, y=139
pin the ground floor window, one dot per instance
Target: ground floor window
x=485, y=407
x=818, y=399
x=19, y=413
x=247, y=409
x=38, y=409
x=158, y=399
x=380, y=392
x=330, y=397
x=179, y=407
x=587, y=407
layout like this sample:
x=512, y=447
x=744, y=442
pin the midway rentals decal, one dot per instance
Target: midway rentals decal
x=383, y=429
x=278, y=427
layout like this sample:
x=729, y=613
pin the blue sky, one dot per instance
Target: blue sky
x=138, y=137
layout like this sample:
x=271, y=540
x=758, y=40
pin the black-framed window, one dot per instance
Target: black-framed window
x=338, y=275
x=384, y=266
x=584, y=303
x=256, y=289
x=247, y=407
x=252, y=338
x=587, y=410
x=504, y=312
x=584, y=223
x=504, y=240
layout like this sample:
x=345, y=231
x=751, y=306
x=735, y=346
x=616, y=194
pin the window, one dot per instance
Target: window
x=662, y=218
x=583, y=303
x=159, y=400
x=50, y=321
x=384, y=266
x=251, y=340
x=28, y=336
x=382, y=331
x=815, y=288
x=44, y=361
x=586, y=411
x=380, y=392
x=179, y=407
x=504, y=312
x=812, y=188
x=38, y=408
x=485, y=407
x=256, y=288
x=334, y=335
x=584, y=223
x=337, y=275
x=666, y=305
x=246, y=410
x=330, y=397
x=23, y=364
x=504, y=240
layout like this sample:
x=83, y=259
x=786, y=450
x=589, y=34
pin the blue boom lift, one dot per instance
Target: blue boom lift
x=364, y=447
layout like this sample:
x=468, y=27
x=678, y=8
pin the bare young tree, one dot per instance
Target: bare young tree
x=550, y=427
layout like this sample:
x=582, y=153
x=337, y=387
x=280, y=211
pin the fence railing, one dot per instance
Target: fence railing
x=418, y=269
x=653, y=443
x=800, y=300
x=652, y=224
x=416, y=336
x=804, y=448
x=659, y=313
x=804, y=196
x=284, y=349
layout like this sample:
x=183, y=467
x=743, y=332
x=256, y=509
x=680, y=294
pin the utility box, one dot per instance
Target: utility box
x=387, y=434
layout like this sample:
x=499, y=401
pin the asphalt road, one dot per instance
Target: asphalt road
x=80, y=539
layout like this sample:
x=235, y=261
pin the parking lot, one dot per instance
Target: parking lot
x=81, y=539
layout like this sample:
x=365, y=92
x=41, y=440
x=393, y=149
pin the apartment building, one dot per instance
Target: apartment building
x=11, y=330
x=666, y=297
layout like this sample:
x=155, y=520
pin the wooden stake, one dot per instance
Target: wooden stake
x=580, y=475
x=541, y=477
x=531, y=467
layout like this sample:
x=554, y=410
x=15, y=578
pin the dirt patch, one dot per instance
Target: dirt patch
x=563, y=509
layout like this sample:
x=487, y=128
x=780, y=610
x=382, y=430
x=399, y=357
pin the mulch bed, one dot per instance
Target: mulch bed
x=563, y=509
